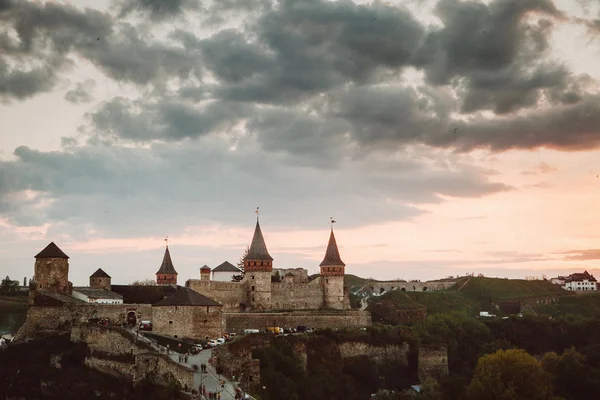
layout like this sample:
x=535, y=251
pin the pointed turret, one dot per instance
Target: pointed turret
x=332, y=273
x=258, y=248
x=166, y=274
x=332, y=254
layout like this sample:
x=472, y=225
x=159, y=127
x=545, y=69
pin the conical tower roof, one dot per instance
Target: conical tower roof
x=258, y=248
x=167, y=265
x=332, y=255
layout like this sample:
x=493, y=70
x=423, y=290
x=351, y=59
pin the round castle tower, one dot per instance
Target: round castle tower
x=258, y=266
x=332, y=275
x=52, y=270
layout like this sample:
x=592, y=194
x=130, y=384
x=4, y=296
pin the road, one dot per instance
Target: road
x=211, y=378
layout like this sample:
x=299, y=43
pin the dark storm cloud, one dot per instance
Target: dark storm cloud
x=496, y=59
x=167, y=119
x=303, y=48
x=157, y=9
x=133, y=188
x=45, y=36
x=81, y=93
x=567, y=127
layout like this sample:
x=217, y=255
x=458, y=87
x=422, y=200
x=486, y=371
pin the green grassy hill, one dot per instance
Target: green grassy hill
x=480, y=294
x=353, y=280
x=496, y=289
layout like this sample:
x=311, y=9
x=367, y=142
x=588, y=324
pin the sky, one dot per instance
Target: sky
x=444, y=137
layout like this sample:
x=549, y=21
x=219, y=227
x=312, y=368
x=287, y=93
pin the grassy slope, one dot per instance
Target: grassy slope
x=479, y=293
x=353, y=280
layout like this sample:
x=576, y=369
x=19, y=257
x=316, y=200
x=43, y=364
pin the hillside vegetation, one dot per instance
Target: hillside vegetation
x=475, y=294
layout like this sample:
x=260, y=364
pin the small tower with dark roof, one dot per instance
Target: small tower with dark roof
x=166, y=275
x=332, y=275
x=52, y=270
x=258, y=266
x=205, y=273
x=100, y=280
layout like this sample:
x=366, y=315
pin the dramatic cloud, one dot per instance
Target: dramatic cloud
x=104, y=186
x=157, y=9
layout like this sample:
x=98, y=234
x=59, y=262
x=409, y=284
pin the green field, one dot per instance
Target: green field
x=480, y=294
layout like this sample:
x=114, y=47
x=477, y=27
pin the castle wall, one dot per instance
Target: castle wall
x=197, y=322
x=110, y=349
x=375, y=287
x=379, y=354
x=237, y=322
x=104, y=340
x=52, y=274
x=229, y=294
x=48, y=320
x=288, y=295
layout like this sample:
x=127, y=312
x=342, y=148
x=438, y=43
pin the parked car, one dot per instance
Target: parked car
x=213, y=343
x=251, y=331
x=145, y=326
x=221, y=340
x=195, y=349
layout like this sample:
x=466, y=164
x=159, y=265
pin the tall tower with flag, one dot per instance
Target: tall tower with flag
x=166, y=275
x=332, y=274
x=258, y=266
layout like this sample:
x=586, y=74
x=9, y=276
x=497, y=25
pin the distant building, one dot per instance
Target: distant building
x=579, y=282
x=100, y=296
x=225, y=272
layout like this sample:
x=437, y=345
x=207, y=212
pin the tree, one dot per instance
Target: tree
x=240, y=265
x=510, y=375
x=8, y=285
x=145, y=282
x=568, y=368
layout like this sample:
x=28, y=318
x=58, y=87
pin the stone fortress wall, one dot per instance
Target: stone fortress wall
x=238, y=322
x=46, y=320
x=376, y=287
x=112, y=351
x=188, y=321
x=293, y=295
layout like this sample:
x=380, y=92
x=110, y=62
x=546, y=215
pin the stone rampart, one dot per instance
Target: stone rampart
x=376, y=287
x=237, y=322
x=43, y=320
x=379, y=354
x=288, y=295
x=106, y=344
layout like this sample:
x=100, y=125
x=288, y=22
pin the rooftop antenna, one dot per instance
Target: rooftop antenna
x=167, y=241
x=331, y=222
x=257, y=213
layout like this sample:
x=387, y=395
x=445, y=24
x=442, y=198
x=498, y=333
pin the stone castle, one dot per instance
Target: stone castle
x=263, y=288
x=201, y=309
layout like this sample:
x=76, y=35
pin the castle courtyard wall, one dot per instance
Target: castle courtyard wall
x=229, y=294
x=237, y=322
x=197, y=322
x=288, y=295
x=49, y=320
